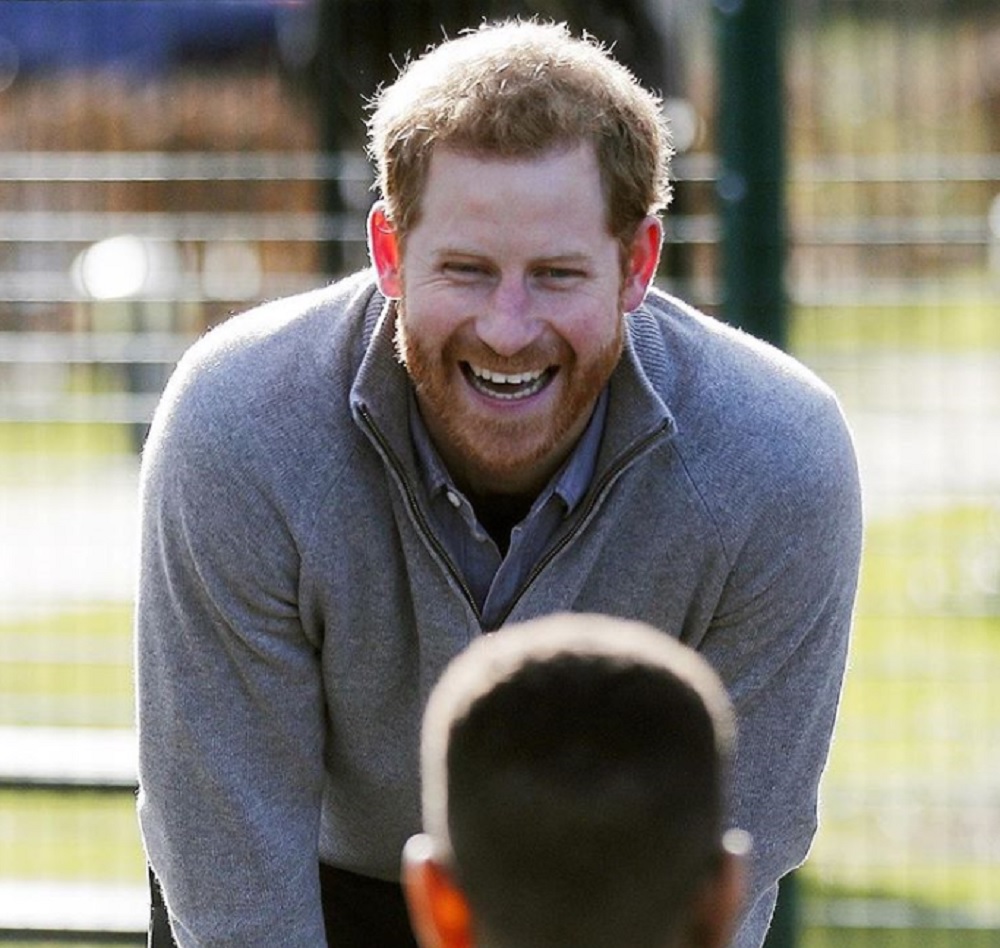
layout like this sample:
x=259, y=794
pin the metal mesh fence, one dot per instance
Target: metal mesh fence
x=141, y=205
x=895, y=176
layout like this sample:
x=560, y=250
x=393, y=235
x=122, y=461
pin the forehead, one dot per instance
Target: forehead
x=561, y=187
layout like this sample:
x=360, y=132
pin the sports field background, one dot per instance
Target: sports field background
x=894, y=278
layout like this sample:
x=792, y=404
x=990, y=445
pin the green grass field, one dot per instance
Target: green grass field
x=948, y=325
x=53, y=443
x=71, y=669
x=897, y=938
x=51, y=835
x=68, y=670
x=910, y=795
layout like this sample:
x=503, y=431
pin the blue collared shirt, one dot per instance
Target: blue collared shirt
x=493, y=578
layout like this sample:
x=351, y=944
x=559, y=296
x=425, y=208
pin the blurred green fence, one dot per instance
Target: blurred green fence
x=135, y=213
x=894, y=273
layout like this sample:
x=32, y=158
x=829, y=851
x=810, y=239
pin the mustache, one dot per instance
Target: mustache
x=465, y=347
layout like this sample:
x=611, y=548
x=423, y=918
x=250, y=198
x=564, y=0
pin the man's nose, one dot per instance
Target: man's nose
x=508, y=322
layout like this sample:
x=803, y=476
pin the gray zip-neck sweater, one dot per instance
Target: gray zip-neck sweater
x=295, y=606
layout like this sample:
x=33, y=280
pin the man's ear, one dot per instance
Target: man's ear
x=644, y=257
x=439, y=913
x=383, y=248
x=718, y=905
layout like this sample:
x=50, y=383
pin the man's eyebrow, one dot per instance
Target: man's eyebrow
x=458, y=252
x=578, y=257
x=571, y=257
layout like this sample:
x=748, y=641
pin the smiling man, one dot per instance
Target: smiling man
x=510, y=310
x=501, y=420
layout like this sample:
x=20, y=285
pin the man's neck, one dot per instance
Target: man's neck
x=500, y=513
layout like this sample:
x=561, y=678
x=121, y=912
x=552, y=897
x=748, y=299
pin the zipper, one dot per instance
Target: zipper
x=609, y=475
x=612, y=472
x=417, y=513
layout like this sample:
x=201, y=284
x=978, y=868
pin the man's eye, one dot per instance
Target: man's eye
x=559, y=274
x=464, y=270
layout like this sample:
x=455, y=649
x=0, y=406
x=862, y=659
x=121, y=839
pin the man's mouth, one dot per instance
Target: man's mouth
x=509, y=386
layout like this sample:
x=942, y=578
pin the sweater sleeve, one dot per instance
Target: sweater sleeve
x=229, y=695
x=779, y=640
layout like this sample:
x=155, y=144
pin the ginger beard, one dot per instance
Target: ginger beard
x=496, y=451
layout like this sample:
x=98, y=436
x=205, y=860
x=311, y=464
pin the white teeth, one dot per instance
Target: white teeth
x=502, y=378
x=518, y=384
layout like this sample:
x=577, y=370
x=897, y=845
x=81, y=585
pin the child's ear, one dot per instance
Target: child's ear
x=439, y=913
x=718, y=905
x=383, y=248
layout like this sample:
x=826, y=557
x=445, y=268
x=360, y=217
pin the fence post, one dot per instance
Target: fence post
x=750, y=186
x=751, y=146
x=784, y=931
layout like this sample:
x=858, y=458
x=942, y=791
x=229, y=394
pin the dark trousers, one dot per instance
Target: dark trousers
x=359, y=912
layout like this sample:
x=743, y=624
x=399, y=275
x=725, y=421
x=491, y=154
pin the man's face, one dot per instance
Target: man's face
x=511, y=297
